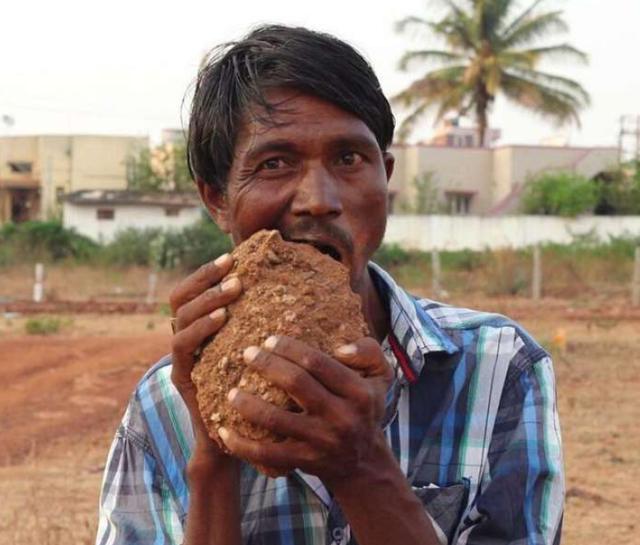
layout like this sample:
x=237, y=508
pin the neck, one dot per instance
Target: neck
x=375, y=312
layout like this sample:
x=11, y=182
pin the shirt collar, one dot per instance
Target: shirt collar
x=415, y=331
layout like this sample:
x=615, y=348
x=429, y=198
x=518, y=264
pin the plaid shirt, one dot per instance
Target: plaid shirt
x=471, y=418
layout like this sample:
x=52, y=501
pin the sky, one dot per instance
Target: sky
x=125, y=66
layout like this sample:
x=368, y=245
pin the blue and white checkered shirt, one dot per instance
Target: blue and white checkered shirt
x=471, y=419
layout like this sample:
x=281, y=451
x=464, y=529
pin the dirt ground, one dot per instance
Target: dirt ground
x=63, y=395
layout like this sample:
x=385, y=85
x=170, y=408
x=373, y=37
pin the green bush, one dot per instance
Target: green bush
x=391, y=255
x=188, y=248
x=130, y=247
x=201, y=243
x=560, y=194
x=43, y=241
x=43, y=325
x=463, y=260
x=619, y=193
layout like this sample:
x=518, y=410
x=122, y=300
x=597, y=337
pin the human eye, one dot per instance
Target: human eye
x=350, y=158
x=273, y=163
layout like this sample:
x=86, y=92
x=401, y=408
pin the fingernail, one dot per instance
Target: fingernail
x=250, y=353
x=222, y=260
x=223, y=433
x=232, y=394
x=347, y=350
x=218, y=314
x=271, y=342
x=230, y=283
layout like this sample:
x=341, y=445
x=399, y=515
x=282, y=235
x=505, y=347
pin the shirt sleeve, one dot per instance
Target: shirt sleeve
x=136, y=505
x=521, y=496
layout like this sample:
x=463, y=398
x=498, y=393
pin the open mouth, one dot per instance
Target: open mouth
x=326, y=249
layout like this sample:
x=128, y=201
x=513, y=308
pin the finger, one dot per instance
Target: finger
x=266, y=415
x=206, y=276
x=307, y=392
x=185, y=342
x=284, y=454
x=333, y=375
x=211, y=299
x=366, y=356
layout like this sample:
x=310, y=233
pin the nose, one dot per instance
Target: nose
x=317, y=194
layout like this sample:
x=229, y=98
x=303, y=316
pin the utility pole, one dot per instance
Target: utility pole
x=629, y=138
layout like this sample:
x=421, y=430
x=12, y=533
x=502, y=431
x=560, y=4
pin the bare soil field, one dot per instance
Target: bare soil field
x=63, y=395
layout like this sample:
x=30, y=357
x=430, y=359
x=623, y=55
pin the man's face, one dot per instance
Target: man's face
x=312, y=171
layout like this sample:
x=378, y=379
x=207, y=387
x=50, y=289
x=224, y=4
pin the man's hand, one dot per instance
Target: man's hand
x=198, y=304
x=342, y=401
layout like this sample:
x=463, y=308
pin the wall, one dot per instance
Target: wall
x=99, y=162
x=454, y=169
x=477, y=233
x=83, y=219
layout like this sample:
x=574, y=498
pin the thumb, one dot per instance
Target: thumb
x=365, y=355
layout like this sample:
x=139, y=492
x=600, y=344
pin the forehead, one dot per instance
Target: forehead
x=304, y=119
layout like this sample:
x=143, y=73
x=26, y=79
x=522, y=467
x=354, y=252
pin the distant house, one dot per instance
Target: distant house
x=36, y=171
x=488, y=180
x=100, y=214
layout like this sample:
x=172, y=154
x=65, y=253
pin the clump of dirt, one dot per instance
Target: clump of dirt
x=288, y=289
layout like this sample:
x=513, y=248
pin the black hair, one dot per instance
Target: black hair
x=235, y=76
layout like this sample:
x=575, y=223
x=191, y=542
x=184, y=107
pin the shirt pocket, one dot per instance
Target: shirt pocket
x=444, y=505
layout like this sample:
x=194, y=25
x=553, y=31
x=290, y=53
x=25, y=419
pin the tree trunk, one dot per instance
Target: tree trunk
x=482, y=103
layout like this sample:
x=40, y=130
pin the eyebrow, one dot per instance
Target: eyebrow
x=279, y=145
x=285, y=145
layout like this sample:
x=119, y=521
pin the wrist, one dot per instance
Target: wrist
x=206, y=464
x=377, y=469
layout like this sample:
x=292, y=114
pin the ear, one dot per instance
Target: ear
x=215, y=202
x=389, y=162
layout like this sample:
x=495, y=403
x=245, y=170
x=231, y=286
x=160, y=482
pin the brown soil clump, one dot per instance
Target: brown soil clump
x=288, y=289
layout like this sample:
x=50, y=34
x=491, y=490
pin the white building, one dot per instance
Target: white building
x=100, y=214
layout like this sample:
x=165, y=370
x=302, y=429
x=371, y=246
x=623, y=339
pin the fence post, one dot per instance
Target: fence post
x=635, y=281
x=436, y=286
x=38, y=285
x=536, y=284
x=151, y=288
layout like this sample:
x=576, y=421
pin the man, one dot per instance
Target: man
x=441, y=428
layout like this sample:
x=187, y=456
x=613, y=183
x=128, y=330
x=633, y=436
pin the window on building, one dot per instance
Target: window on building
x=20, y=167
x=172, y=211
x=59, y=193
x=459, y=203
x=105, y=213
x=468, y=141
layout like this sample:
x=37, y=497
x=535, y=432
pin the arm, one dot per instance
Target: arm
x=137, y=506
x=337, y=435
x=521, y=497
x=198, y=303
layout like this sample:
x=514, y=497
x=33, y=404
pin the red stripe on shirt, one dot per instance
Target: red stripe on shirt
x=402, y=358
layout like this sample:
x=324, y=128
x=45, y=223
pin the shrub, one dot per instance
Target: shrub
x=43, y=325
x=560, y=194
x=619, y=192
x=390, y=255
x=201, y=243
x=188, y=248
x=43, y=241
x=130, y=247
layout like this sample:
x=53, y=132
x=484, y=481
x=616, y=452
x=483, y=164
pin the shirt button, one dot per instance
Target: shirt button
x=337, y=534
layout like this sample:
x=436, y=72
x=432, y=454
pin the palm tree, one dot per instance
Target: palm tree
x=490, y=50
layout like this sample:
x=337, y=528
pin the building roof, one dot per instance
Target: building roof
x=103, y=197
